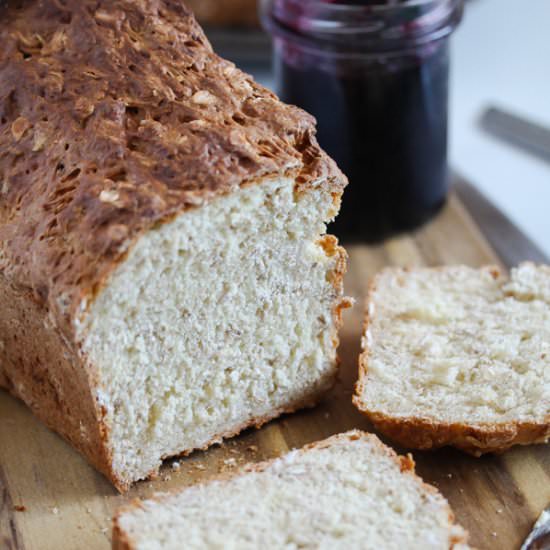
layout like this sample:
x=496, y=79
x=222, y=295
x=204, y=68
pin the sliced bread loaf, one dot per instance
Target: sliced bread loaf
x=458, y=356
x=165, y=276
x=349, y=491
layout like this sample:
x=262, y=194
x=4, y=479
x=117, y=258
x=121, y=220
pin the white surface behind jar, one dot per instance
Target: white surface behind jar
x=501, y=56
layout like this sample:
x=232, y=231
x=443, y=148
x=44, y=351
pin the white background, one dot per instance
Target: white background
x=501, y=56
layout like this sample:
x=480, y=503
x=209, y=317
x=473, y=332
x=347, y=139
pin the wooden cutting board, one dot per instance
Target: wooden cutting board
x=51, y=499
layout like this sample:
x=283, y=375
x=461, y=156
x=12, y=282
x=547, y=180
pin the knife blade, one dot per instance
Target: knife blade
x=539, y=538
x=526, y=134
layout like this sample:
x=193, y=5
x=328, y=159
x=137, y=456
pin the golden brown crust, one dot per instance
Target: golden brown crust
x=426, y=433
x=229, y=13
x=121, y=539
x=114, y=119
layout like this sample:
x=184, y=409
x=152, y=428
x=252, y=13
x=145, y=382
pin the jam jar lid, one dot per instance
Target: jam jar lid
x=373, y=25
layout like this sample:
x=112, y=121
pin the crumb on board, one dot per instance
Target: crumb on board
x=20, y=508
x=252, y=448
x=199, y=467
x=230, y=461
x=499, y=510
x=176, y=465
x=493, y=534
x=55, y=510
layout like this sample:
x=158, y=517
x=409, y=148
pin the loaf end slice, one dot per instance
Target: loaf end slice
x=458, y=356
x=165, y=275
x=349, y=491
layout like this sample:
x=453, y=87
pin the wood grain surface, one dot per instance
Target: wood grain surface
x=50, y=498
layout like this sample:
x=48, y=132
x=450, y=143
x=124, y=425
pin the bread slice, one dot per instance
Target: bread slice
x=458, y=356
x=165, y=276
x=349, y=491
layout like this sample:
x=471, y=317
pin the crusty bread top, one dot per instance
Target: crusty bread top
x=114, y=119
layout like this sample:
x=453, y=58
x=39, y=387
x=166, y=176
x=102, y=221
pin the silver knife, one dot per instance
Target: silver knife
x=539, y=538
x=527, y=134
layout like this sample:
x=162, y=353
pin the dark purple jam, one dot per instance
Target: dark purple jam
x=383, y=118
x=387, y=130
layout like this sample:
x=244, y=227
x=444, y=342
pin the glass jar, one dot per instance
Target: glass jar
x=375, y=75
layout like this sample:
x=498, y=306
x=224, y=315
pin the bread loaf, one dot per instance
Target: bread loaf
x=349, y=491
x=458, y=356
x=165, y=277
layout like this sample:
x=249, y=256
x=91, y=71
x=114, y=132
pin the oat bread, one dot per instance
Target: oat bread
x=458, y=356
x=349, y=491
x=165, y=277
x=225, y=13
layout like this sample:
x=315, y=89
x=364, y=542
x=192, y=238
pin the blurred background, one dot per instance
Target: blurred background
x=500, y=57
